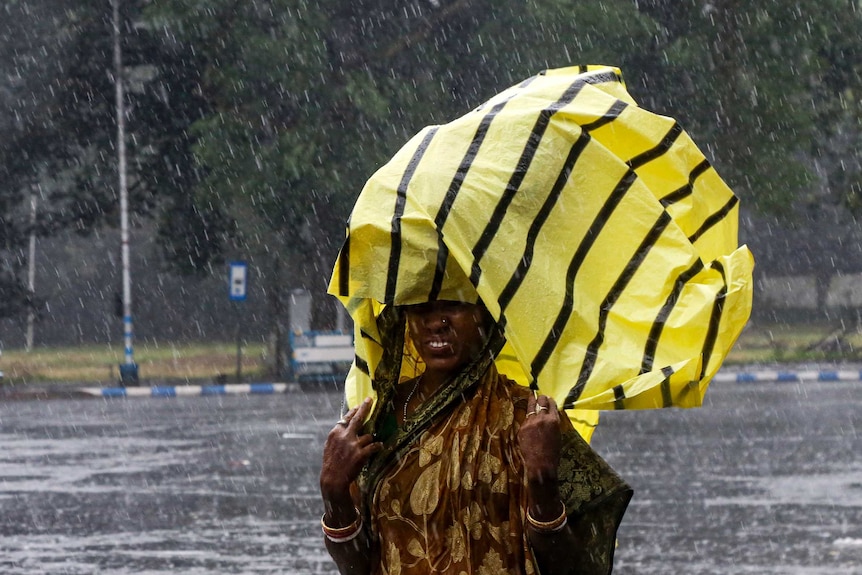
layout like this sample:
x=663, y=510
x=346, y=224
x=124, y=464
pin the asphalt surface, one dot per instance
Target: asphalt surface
x=765, y=478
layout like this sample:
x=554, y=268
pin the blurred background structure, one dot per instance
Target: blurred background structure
x=252, y=126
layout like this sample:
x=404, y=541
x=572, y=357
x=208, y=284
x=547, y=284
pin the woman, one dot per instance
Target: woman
x=459, y=470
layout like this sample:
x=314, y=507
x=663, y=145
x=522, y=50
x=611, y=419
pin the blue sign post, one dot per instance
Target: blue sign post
x=238, y=281
x=238, y=291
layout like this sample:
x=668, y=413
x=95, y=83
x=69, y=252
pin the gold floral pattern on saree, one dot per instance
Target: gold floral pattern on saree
x=491, y=564
x=455, y=542
x=426, y=491
x=473, y=518
x=453, y=500
x=455, y=456
x=429, y=448
x=393, y=560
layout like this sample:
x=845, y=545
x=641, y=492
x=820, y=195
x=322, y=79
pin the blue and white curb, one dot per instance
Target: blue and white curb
x=785, y=376
x=759, y=376
x=190, y=390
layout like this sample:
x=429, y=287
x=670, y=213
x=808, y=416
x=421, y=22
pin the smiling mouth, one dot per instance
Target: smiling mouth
x=439, y=344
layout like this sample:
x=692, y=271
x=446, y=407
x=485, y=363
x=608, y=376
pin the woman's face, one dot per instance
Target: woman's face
x=447, y=334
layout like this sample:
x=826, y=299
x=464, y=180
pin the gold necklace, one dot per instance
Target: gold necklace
x=410, y=395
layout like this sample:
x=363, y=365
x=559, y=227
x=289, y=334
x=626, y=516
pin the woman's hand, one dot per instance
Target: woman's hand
x=540, y=442
x=539, y=438
x=345, y=453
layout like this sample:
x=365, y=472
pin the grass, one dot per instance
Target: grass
x=791, y=343
x=188, y=362
x=208, y=362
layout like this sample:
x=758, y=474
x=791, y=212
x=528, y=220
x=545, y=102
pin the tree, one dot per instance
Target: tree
x=307, y=101
x=62, y=133
x=838, y=98
x=255, y=124
x=29, y=63
x=305, y=106
x=755, y=83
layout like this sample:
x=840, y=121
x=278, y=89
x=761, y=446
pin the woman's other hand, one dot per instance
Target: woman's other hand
x=540, y=442
x=346, y=450
x=541, y=445
x=539, y=438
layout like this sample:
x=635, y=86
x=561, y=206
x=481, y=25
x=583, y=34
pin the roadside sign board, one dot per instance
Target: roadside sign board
x=321, y=356
x=238, y=281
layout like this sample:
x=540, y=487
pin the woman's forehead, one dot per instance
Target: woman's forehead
x=439, y=306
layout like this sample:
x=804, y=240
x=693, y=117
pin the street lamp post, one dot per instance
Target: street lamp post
x=128, y=369
x=31, y=272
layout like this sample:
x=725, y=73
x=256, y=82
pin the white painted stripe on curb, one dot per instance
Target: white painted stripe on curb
x=789, y=376
x=190, y=390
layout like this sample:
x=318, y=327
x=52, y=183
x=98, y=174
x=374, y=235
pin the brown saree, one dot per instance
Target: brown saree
x=448, y=492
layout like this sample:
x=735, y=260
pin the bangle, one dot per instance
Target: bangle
x=345, y=539
x=548, y=526
x=342, y=534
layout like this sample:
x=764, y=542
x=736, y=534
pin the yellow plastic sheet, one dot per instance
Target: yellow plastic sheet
x=594, y=231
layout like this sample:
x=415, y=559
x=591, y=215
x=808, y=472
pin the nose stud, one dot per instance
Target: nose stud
x=444, y=320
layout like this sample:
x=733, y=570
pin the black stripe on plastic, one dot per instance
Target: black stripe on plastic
x=518, y=175
x=542, y=216
x=664, y=313
x=586, y=244
x=365, y=335
x=687, y=189
x=544, y=213
x=612, y=114
x=714, y=219
x=619, y=397
x=362, y=365
x=401, y=200
x=613, y=295
x=666, y=397
x=452, y=193
x=602, y=77
x=344, y=268
x=714, y=320
x=656, y=152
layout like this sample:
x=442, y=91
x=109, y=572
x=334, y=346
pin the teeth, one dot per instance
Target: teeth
x=437, y=344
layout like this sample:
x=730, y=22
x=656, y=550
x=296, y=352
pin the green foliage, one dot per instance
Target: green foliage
x=746, y=78
x=14, y=296
x=254, y=124
x=304, y=105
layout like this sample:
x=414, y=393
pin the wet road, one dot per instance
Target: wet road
x=766, y=479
